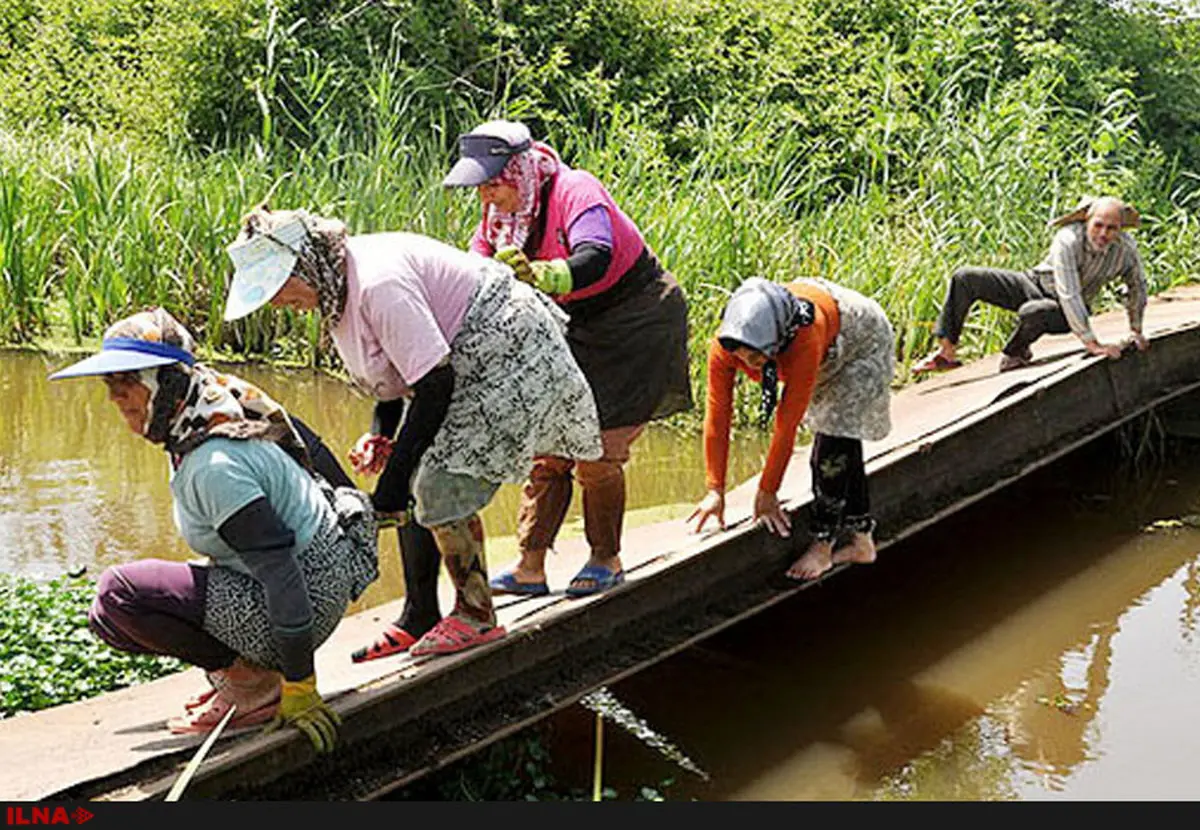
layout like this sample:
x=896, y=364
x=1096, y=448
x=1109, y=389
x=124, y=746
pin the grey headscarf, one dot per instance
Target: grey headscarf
x=764, y=316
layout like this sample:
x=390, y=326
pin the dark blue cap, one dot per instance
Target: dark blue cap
x=483, y=152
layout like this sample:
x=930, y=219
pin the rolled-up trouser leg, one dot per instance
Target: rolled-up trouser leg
x=1037, y=317
x=153, y=606
x=422, y=560
x=996, y=286
x=461, y=544
x=603, y=485
x=545, y=498
x=839, y=484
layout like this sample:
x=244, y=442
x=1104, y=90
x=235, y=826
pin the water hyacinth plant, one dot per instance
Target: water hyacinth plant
x=47, y=654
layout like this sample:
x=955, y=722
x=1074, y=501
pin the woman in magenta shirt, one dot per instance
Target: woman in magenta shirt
x=562, y=232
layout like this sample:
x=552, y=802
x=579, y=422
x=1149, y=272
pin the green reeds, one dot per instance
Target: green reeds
x=92, y=228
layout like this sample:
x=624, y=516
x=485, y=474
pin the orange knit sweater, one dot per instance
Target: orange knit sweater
x=797, y=366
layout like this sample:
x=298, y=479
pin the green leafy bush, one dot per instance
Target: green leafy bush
x=152, y=69
x=47, y=654
x=849, y=74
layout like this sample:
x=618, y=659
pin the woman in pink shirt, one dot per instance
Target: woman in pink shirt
x=480, y=357
x=563, y=233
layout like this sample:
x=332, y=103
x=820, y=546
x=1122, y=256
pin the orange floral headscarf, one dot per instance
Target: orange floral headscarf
x=213, y=403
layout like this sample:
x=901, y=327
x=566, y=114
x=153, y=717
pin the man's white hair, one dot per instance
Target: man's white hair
x=1106, y=202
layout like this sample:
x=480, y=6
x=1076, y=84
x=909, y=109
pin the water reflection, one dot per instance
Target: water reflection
x=1189, y=615
x=1047, y=718
x=76, y=487
x=1040, y=645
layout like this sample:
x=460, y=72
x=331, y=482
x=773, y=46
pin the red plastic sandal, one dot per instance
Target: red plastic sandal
x=452, y=635
x=393, y=640
x=199, y=699
x=936, y=362
x=204, y=718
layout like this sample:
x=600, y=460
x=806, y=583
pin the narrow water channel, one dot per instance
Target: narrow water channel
x=1042, y=644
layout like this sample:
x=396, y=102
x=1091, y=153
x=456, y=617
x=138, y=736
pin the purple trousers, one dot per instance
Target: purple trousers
x=154, y=606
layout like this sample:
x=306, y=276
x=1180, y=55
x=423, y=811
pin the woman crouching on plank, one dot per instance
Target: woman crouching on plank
x=287, y=551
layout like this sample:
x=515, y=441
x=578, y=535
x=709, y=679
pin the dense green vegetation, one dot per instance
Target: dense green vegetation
x=880, y=143
x=47, y=654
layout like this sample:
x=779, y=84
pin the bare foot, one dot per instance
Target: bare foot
x=861, y=550
x=815, y=561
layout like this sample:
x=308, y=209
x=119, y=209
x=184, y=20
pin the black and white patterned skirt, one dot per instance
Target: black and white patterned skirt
x=337, y=566
x=518, y=393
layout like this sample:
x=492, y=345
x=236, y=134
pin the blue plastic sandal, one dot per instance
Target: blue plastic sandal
x=602, y=578
x=506, y=583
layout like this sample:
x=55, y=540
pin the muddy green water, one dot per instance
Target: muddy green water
x=78, y=488
x=1041, y=645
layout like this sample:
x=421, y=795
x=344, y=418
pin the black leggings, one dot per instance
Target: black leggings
x=840, y=497
x=418, y=551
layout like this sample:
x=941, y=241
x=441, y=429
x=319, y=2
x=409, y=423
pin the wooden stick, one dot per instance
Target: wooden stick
x=597, y=770
x=194, y=764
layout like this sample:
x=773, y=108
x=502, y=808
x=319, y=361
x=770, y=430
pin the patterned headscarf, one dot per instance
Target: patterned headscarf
x=764, y=316
x=322, y=260
x=528, y=172
x=213, y=404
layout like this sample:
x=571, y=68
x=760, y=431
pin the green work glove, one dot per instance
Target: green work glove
x=515, y=258
x=301, y=706
x=553, y=276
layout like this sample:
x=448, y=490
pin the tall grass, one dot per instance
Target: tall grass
x=970, y=171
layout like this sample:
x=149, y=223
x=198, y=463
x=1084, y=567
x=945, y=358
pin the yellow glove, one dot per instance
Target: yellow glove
x=301, y=706
x=398, y=519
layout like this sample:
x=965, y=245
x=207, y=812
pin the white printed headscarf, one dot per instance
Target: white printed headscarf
x=321, y=262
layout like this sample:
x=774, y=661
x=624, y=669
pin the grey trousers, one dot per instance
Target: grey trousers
x=1039, y=311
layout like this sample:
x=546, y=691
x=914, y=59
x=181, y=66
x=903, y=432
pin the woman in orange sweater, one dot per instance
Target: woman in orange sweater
x=832, y=348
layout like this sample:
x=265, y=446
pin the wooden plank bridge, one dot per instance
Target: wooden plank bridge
x=956, y=438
